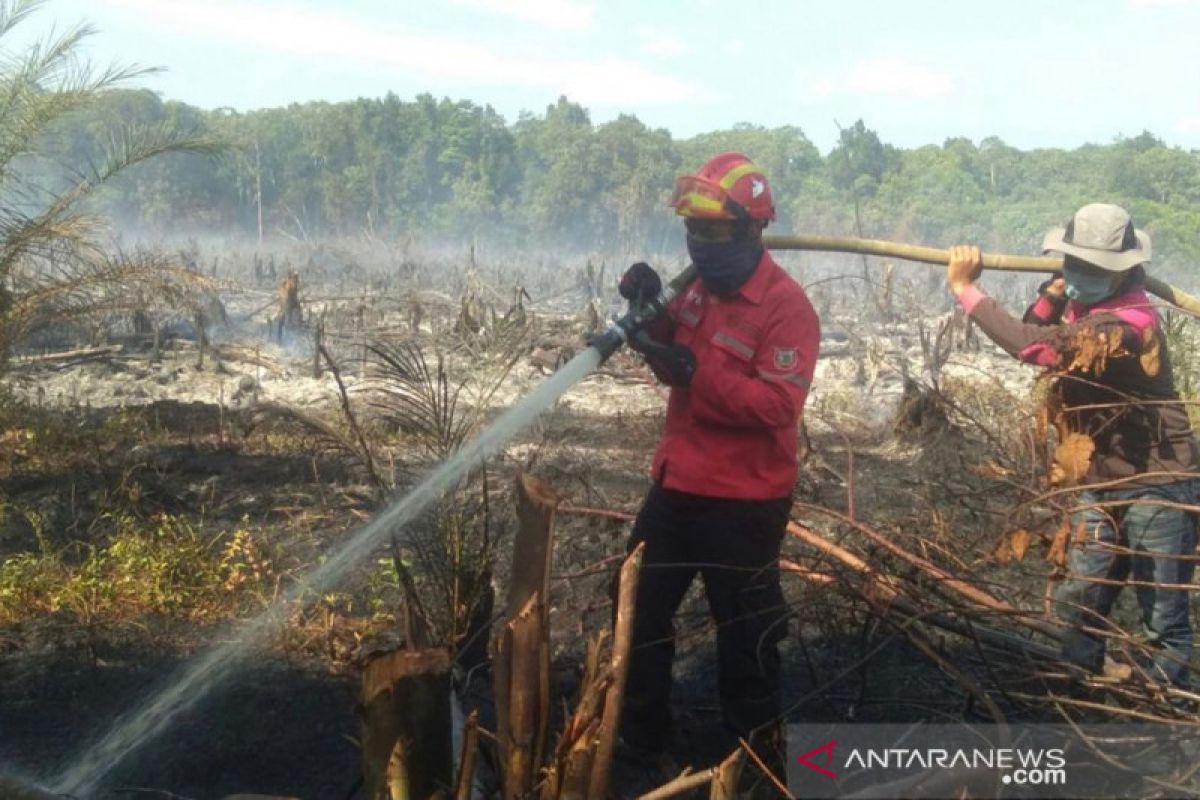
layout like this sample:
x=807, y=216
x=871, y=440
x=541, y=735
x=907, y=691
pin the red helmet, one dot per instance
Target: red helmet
x=728, y=186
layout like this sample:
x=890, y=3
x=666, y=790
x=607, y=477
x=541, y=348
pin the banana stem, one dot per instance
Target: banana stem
x=933, y=255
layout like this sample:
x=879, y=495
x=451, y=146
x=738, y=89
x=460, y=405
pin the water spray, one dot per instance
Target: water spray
x=83, y=776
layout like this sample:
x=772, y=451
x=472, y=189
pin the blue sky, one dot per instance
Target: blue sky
x=1055, y=73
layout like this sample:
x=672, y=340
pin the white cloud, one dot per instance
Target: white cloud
x=1160, y=3
x=822, y=87
x=659, y=43
x=318, y=35
x=898, y=77
x=619, y=82
x=1188, y=125
x=563, y=15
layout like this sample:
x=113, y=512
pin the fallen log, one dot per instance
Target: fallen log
x=82, y=354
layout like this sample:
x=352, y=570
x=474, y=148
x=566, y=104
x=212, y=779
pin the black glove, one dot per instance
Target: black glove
x=673, y=364
x=677, y=366
x=640, y=283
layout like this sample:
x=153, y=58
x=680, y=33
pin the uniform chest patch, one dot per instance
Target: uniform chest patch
x=744, y=325
x=785, y=357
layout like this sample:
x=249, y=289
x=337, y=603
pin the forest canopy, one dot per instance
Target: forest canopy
x=451, y=170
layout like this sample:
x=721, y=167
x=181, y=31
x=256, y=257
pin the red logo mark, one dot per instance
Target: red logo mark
x=827, y=749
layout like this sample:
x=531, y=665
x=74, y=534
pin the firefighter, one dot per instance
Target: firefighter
x=1096, y=329
x=738, y=348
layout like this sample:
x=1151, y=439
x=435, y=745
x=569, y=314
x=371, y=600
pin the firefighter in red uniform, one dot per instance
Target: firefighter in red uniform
x=740, y=347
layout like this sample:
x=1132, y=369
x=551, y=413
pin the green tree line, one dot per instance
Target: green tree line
x=431, y=168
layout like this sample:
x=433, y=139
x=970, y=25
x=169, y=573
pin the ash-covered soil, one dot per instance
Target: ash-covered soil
x=285, y=724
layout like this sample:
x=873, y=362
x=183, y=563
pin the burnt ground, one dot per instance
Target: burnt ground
x=280, y=726
x=285, y=723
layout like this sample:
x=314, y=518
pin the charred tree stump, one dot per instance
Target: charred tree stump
x=156, y=350
x=606, y=736
x=537, y=506
x=404, y=710
x=318, y=343
x=200, y=322
x=521, y=668
x=142, y=324
x=522, y=728
x=291, y=314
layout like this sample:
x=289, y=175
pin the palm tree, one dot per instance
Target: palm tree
x=54, y=260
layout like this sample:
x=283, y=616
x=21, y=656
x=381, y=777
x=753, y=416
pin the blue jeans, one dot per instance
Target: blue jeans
x=1153, y=544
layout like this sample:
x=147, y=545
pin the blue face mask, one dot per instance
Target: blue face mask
x=1089, y=288
x=724, y=266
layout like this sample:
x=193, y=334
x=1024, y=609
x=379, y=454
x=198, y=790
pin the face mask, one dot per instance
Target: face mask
x=725, y=266
x=1088, y=289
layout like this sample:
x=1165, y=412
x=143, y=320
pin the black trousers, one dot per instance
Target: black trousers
x=734, y=545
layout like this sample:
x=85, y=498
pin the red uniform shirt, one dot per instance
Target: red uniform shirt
x=732, y=433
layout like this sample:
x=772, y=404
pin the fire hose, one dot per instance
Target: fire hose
x=632, y=325
x=933, y=255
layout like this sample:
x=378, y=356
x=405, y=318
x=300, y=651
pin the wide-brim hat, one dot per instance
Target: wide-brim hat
x=1101, y=234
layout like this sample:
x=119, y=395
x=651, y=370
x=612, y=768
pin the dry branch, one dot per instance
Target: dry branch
x=885, y=597
x=725, y=781
x=465, y=778
x=686, y=782
x=941, y=578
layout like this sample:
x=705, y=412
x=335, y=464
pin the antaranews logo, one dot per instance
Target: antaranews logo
x=1016, y=765
x=808, y=759
x=917, y=764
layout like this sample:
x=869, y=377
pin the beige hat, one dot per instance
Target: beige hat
x=1101, y=234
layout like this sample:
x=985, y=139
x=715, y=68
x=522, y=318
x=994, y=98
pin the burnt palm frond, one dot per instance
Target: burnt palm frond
x=418, y=401
x=328, y=439
x=63, y=285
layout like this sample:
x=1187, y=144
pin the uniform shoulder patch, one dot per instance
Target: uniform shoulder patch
x=785, y=357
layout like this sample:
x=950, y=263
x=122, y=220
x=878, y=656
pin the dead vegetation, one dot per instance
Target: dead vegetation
x=928, y=522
